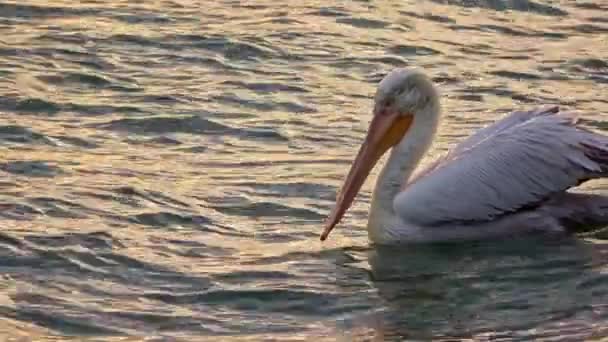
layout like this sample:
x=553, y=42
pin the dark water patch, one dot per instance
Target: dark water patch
x=510, y=31
x=133, y=196
x=82, y=78
x=160, y=99
x=393, y=61
x=288, y=35
x=268, y=134
x=31, y=168
x=195, y=149
x=18, y=211
x=22, y=135
x=603, y=125
x=139, y=276
x=297, y=189
x=595, y=282
x=107, y=265
x=429, y=16
x=267, y=209
x=281, y=19
x=471, y=97
x=190, y=125
x=91, y=80
x=67, y=324
x=266, y=87
x=7, y=239
x=508, y=5
x=93, y=240
x=163, y=125
x=215, y=63
x=110, y=197
x=503, y=30
x=30, y=12
x=34, y=105
x=81, y=259
x=338, y=256
x=59, y=208
x=598, y=19
x=133, y=264
x=157, y=42
x=446, y=79
x=550, y=34
x=409, y=50
x=262, y=106
x=515, y=75
x=75, y=141
x=170, y=322
x=86, y=109
x=585, y=28
x=301, y=303
x=77, y=38
x=498, y=91
x=163, y=141
x=591, y=63
x=54, y=52
x=168, y=219
x=589, y=68
x=524, y=98
x=237, y=277
x=363, y=23
x=450, y=43
x=329, y=12
x=145, y=18
x=351, y=63
x=590, y=5
x=230, y=48
x=514, y=57
x=195, y=249
x=264, y=163
x=599, y=78
x=475, y=51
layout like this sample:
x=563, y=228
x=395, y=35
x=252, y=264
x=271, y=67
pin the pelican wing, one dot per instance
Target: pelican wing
x=484, y=133
x=514, y=163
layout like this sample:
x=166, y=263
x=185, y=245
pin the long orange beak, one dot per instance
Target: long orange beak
x=385, y=130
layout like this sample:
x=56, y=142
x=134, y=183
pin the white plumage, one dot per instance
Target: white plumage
x=518, y=162
x=510, y=176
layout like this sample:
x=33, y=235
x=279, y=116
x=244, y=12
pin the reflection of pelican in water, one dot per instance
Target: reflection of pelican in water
x=527, y=287
x=510, y=176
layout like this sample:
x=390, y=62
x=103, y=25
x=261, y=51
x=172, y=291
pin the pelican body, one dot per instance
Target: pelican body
x=510, y=177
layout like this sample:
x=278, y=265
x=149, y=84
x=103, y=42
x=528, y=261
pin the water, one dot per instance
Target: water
x=166, y=167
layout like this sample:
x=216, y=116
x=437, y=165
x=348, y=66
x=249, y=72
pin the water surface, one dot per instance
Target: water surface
x=166, y=167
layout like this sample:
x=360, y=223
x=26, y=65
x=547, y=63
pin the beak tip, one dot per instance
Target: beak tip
x=329, y=225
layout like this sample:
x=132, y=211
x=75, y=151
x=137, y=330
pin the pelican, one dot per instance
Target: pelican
x=510, y=177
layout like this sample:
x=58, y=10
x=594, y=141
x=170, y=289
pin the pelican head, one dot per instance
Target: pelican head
x=404, y=95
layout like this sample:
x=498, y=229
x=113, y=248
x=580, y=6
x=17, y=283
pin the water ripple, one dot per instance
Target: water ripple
x=166, y=170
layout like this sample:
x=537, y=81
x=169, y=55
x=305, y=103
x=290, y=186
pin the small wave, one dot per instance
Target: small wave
x=363, y=23
x=31, y=168
x=22, y=135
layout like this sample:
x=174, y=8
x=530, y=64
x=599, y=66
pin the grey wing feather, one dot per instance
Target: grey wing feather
x=509, y=121
x=517, y=162
x=484, y=133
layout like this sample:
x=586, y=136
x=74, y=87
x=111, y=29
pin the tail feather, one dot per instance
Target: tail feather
x=597, y=151
x=579, y=212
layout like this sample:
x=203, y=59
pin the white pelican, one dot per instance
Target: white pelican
x=509, y=177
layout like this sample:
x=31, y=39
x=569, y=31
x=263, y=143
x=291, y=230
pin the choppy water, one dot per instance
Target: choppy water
x=166, y=166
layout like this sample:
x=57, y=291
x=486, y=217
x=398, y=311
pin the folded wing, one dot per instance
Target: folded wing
x=515, y=163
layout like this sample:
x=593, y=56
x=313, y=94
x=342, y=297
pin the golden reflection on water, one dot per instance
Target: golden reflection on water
x=334, y=60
